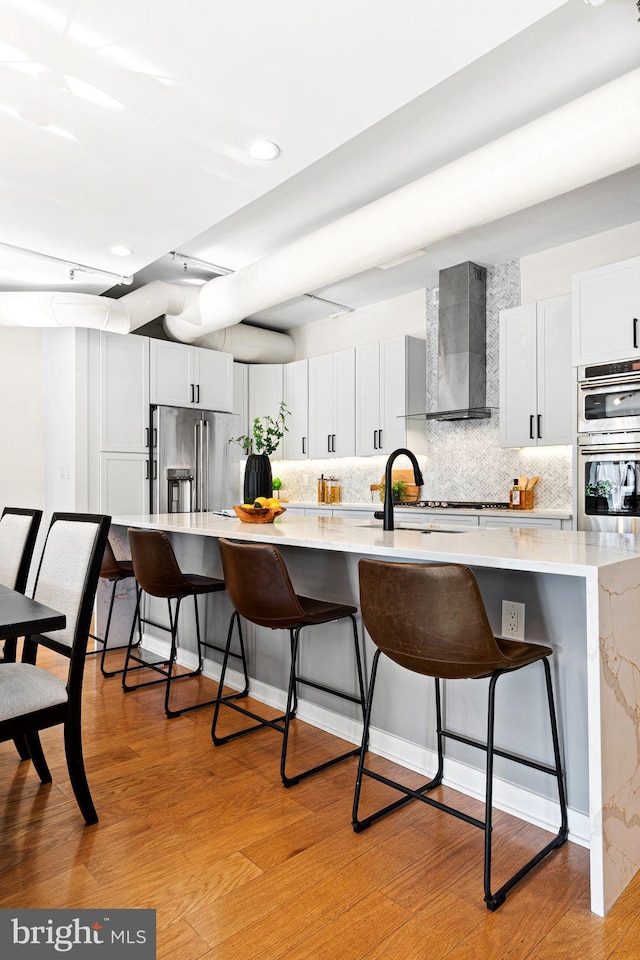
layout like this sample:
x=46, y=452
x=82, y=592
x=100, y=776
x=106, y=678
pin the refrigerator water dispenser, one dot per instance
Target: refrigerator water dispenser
x=180, y=494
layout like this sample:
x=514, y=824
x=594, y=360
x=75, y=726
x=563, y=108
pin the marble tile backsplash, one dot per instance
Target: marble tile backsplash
x=463, y=459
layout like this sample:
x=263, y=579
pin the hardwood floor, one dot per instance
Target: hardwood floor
x=238, y=867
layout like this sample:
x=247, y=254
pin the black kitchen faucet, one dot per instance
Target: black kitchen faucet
x=387, y=521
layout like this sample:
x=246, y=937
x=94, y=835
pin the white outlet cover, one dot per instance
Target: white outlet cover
x=512, y=620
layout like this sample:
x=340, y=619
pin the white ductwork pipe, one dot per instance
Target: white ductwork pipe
x=247, y=343
x=50, y=309
x=586, y=140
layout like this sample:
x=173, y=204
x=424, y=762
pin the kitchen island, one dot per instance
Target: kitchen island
x=582, y=597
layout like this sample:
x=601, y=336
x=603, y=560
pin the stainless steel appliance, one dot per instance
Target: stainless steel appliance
x=193, y=443
x=609, y=447
x=609, y=397
x=609, y=482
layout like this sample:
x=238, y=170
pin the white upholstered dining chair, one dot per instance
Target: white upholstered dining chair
x=34, y=699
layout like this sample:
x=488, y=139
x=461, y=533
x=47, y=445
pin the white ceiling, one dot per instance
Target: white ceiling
x=362, y=97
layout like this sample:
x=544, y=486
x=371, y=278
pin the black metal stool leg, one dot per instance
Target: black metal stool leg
x=276, y=723
x=358, y=825
x=136, y=618
x=292, y=700
x=124, y=646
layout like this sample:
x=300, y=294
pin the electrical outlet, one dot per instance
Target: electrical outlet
x=513, y=620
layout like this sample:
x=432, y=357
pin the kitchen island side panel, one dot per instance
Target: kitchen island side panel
x=614, y=663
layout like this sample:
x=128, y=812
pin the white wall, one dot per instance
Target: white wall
x=21, y=428
x=548, y=274
x=389, y=318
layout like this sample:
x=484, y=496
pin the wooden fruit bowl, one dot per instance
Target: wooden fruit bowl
x=258, y=514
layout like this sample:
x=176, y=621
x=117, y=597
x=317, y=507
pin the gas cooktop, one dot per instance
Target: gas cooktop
x=455, y=504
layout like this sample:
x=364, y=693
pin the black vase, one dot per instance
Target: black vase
x=258, y=481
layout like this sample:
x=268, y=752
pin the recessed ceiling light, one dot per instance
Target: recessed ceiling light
x=121, y=251
x=264, y=150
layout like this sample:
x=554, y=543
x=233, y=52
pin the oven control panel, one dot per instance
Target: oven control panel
x=610, y=369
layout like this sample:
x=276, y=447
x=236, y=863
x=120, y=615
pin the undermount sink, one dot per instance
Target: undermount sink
x=402, y=526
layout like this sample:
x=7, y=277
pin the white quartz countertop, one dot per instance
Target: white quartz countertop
x=567, y=552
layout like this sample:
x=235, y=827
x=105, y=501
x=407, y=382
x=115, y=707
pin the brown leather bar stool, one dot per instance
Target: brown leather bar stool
x=430, y=619
x=261, y=591
x=158, y=574
x=115, y=571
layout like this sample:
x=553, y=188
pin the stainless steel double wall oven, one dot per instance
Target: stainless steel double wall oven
x=609, y=447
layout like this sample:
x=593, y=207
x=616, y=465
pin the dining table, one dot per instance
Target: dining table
x=21, y=616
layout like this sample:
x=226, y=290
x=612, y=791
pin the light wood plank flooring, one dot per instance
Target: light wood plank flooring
x=238, y=868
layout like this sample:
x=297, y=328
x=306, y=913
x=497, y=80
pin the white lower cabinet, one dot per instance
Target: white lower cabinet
x=513, y=520
x=124, y=483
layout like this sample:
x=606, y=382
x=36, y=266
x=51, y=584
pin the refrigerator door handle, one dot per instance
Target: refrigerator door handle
x=205, y=505
x=197, y=446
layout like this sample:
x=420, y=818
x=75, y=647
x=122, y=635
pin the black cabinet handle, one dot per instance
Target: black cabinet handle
x=531, y=437
x=379, y=439
x=192, y=393
x=146, y=436
x=375, y=439
x=155, y=469
x=304, y=444
x=333, y=443
x=328, y=443
x=539, y=426
x=635, y=333
x=197, y=393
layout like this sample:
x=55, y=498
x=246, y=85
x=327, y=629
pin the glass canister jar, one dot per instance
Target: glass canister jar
x=334, y=490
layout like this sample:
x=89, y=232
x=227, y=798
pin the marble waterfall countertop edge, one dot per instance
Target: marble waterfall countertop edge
x=565, y=552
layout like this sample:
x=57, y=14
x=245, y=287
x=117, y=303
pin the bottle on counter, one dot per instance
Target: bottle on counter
x=514, y=495
x=322, y=489
x=334, y=490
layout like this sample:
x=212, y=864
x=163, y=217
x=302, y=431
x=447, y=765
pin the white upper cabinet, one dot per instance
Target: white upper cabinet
x=390, y=383
x=266, y=392
x=606, y=313
x=124, y=393
x=536, y=377
x=332, y=405
x=296, y=397
x=212, y=373
x=191, y=376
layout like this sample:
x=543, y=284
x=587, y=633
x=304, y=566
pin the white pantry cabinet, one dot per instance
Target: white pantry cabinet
x=536, y=377
x=124, y=483
x=190, y=376
x=332, y=405
x=124, y=393
x=266, y=392
x=296, y=397
x=390, y=383
x=606, y=313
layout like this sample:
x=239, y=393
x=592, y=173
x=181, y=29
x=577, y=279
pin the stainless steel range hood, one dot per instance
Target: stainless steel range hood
x=462, y=357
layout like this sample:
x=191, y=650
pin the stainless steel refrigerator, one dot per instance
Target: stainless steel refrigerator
x=194, y=468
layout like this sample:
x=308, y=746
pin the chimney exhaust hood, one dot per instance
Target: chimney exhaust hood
x=462, y=357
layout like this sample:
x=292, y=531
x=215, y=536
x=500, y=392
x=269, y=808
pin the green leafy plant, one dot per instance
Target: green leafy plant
x=398, y=490
x=267, y=433
x=602, y=488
